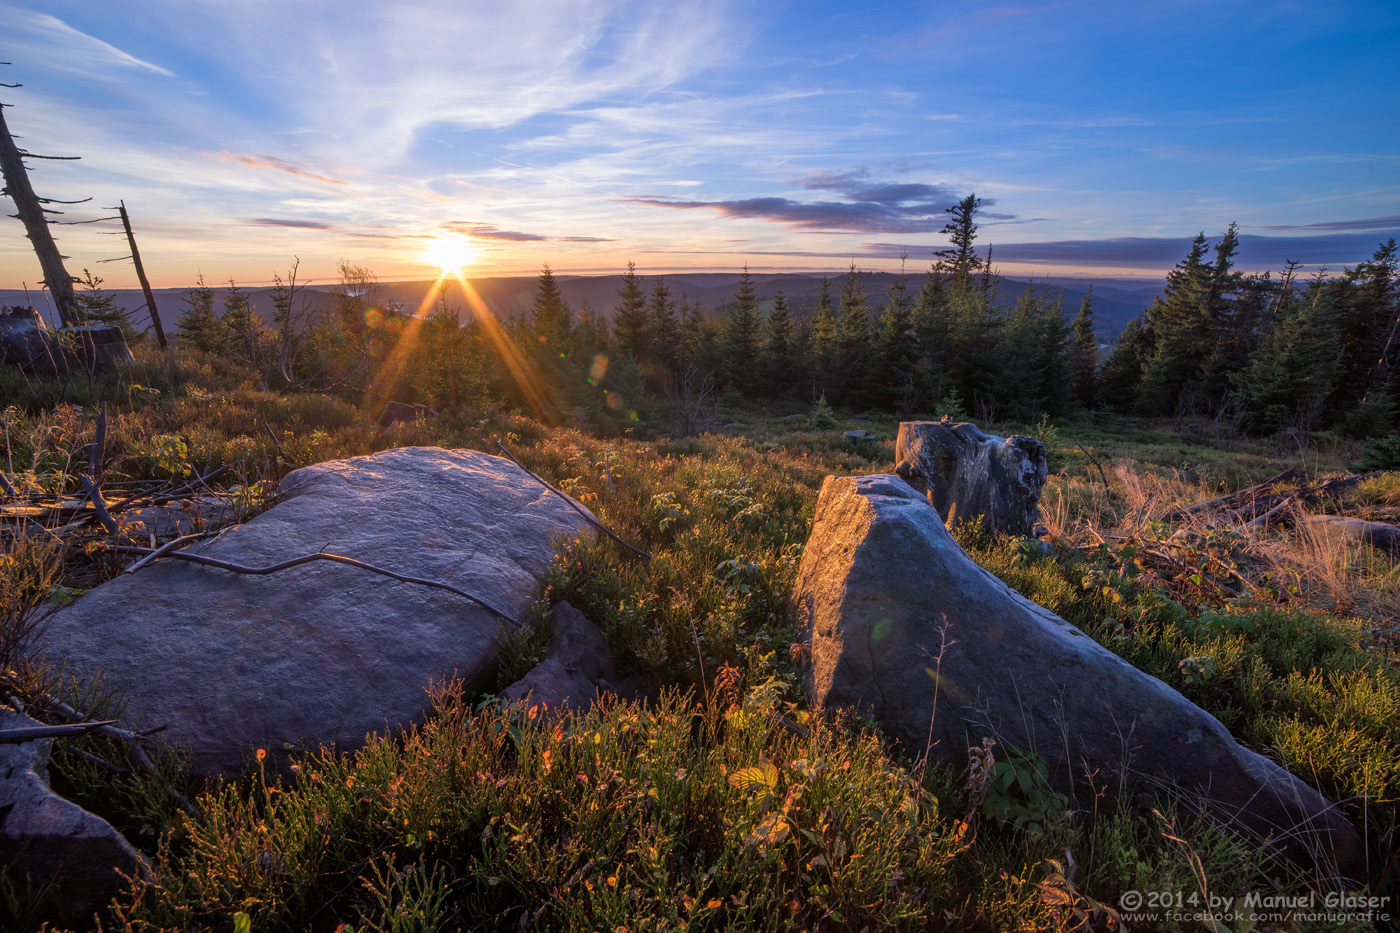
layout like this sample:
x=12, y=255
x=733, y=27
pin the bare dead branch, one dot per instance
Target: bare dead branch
x=99, y=504
x=575, y=506
x=1095, y=462
x=29, y=734
x=282, y=453
x=99, y=444
x=138, y=754
x=1234, y=500
x=166, y=548
x=319, y=555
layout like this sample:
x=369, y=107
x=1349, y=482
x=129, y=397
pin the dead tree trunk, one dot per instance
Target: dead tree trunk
x=31, y=213
x=141, y=276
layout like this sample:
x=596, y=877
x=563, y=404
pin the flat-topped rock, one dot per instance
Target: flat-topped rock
x=324, y=653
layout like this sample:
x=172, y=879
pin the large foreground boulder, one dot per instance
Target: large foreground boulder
x=906, y=627
x=51, y=845
x=324, y=652
x=967, y=473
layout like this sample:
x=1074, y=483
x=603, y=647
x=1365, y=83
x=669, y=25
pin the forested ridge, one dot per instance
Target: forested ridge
x=1253, y=352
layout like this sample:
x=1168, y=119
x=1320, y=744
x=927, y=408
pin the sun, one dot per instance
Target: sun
x=449, y=253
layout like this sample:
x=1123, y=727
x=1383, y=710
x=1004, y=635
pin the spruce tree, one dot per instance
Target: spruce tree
x=1120, y=381
x=199, y=325
x=822, y=340
x=779, y=347
x=550, y=316
x=245, y=334
x=94, y=305
x=1181, y=325
x=1084, y=367
x=898, y=348
x=549, y=343
x=1053, y=357
x=960, y=261
x=1288, y=380
x=932, y=333
x=665, y=326
x=853, y=350
x=632, y=335
x=741, y=336
x=1020, y=388
x=590, y=334
x=1367, y=308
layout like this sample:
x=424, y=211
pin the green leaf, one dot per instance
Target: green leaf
x=242, y=923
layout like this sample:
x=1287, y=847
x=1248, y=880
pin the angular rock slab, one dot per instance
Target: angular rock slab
x=324, y=652
x=577, y=669
x=54, y=841
x=881, y=578
x=968, y=473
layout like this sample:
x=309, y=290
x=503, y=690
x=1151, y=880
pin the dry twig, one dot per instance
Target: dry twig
x=308, y=558
x=574, y=505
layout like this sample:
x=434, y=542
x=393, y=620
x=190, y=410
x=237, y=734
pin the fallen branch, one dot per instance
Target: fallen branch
x=95, y=496
x=1268, y=517
x=157, y=497
x=280, y=452
x=1239, y=497
x=1096, y=463
x=166, y=548
x=575, y=506
x=92, y=480
x=319, y=555
x=99, y=444
x=138, y=754
x=30, y=733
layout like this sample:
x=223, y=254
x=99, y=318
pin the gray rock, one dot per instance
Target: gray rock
x=860, y=437
x=883, y=590
x=324, y=652
x=967, y=473
x=736, y=424
x=576, y=670
x=54, y=841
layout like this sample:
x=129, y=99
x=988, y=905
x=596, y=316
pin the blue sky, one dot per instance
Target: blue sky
x=1101, y=136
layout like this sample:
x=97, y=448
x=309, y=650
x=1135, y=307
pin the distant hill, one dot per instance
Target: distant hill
x=1116, y=301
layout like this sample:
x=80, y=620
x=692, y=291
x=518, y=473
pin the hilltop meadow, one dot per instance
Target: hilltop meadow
x=703, y=437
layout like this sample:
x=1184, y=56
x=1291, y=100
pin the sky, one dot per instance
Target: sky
x=1101, y=136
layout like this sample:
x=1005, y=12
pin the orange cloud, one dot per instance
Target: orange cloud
x=262, y=160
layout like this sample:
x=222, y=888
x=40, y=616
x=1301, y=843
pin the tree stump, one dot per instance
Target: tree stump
x=966, y=473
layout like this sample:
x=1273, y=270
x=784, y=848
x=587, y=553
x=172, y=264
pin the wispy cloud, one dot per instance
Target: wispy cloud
x=1384, y=224
x=281, y=165
x=283, y=222
x=482, y=231
x=375, y=78
x=77, y=51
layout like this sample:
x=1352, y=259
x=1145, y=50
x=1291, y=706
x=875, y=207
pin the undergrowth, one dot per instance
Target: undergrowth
x=724, y=804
